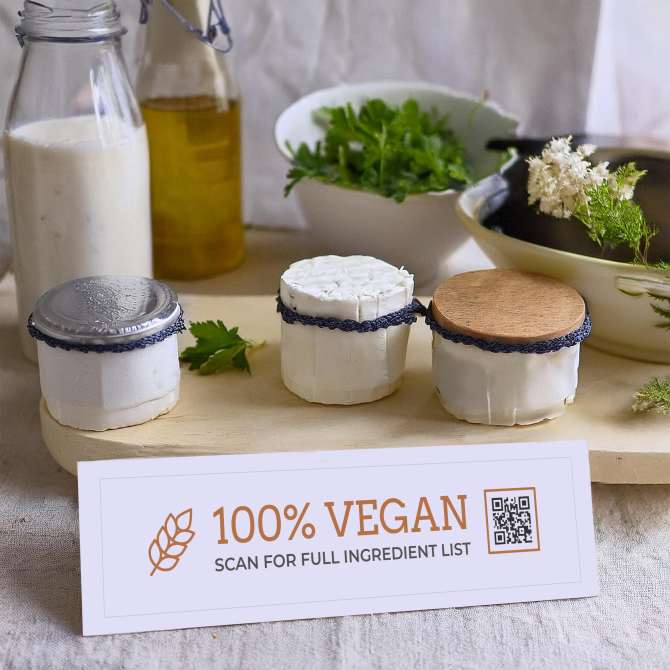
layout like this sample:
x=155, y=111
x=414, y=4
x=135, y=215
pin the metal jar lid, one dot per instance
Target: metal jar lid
x=106, y=311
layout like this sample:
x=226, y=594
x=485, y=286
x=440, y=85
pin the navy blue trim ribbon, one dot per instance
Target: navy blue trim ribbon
x=406, y=315
x=177, y=326
x=542, y=347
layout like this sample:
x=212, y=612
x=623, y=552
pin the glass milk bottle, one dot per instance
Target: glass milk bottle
x=76, y=153
x=191, y=107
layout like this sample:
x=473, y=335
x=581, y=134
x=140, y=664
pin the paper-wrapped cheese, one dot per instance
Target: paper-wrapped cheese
x=107, y=350
x=335, y=366
x=506, y=346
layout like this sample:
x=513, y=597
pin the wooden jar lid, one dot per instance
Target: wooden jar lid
x=508, y=306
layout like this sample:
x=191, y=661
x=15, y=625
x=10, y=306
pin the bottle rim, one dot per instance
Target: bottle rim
x=68, y=21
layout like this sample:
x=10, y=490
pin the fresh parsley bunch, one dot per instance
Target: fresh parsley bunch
x=217, y=348
x=393, y=151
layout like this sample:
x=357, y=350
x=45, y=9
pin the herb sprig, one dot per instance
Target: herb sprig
x=393, y=151
x=217, y=348
x=563, y=183
x=612, y=221
x=653, y=397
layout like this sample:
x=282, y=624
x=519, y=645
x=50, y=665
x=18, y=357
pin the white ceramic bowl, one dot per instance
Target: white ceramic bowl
x=619, y=295
x=420, y=233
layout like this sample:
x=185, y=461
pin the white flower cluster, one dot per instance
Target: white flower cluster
x=559, y=178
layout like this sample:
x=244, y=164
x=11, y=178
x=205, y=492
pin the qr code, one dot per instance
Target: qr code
x=511, y=520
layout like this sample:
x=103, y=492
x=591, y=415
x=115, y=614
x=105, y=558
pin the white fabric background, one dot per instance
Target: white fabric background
x=630, y=85
x=536, y=58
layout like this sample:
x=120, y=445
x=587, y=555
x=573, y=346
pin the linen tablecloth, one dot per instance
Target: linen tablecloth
x=40, y=600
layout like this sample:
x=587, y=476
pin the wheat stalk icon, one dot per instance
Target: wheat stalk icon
x=171, y=541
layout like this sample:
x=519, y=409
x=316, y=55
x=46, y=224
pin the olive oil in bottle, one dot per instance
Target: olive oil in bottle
x=196, y=194
x=191, y=109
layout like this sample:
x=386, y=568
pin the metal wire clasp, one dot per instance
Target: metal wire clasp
x=216, y=23
x=20, y=35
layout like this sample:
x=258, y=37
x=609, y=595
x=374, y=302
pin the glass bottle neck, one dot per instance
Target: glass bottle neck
x=66, y=78
x=69, y=21
x=203, y=19
x=177, y=64
x=194, y=11
x=167, y=35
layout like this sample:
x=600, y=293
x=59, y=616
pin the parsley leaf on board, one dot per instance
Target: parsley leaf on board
x=392, y=151
x=217, y=348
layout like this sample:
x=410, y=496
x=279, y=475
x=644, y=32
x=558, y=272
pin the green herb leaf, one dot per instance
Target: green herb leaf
x=612, y=221
x=217, y=348
x=653, y=397
x=393, y=151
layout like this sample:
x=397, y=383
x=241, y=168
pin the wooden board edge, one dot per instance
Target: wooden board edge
x=67, y=446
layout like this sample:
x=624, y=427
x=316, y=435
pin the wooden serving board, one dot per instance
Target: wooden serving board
x=233, y=412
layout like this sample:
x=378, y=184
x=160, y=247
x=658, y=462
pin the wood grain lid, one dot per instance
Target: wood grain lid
x=508, y=306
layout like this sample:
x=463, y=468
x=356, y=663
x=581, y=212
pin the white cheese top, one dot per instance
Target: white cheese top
x=346, y=287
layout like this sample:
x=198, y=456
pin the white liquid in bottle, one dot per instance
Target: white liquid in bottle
x=78, y=194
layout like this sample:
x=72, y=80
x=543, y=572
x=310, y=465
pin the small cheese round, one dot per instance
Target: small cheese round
x=503, y=389
x=512, y=307
x=333, y=366
x=346, y=287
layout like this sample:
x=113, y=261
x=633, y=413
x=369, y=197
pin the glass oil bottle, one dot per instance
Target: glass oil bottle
x=191, y=108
